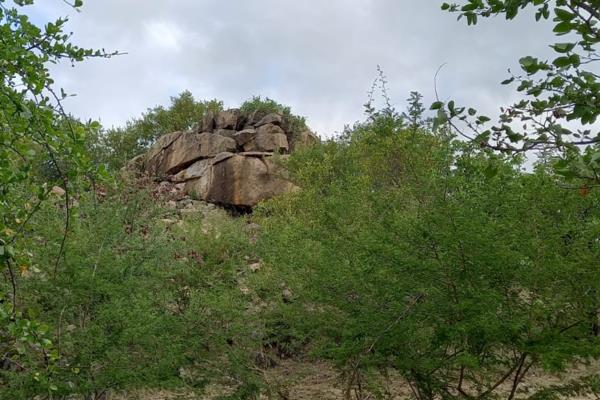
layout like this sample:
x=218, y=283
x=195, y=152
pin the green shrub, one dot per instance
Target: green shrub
x=138, y=301
x=296, y=124
x=414, y=252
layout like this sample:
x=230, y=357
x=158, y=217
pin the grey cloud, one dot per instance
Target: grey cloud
x=317, y=56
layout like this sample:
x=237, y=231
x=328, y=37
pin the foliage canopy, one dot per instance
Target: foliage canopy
x=561, y=97
x=435, y=274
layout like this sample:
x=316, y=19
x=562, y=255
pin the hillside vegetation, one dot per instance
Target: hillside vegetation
x=411, y=263
x=402, y=252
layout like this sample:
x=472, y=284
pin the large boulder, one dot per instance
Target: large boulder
x=226, y=132
x=187, y=148
x=199, y=179
x=244, y=136
x=268, y=138
x=196, y=170
x=198, y=188
x=162, y=144
x=272, y=118
x=208, y=122
x=254, y=118
x=244, y=180
x=228, y=119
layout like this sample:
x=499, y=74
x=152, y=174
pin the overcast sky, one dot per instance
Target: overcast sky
x=318, y=56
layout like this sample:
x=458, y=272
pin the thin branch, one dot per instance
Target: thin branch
x=66, y=228
x=499, y=382
x=518, y=376
x=13, y=283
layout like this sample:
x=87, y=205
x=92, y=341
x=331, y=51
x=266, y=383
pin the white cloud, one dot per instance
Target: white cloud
x=319, y=57
x=163, y=34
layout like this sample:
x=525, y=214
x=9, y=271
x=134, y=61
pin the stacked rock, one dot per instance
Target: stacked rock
x=228, y=159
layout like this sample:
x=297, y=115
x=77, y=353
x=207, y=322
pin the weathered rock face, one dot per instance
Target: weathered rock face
x=226, y=132
x=270, y=138
x=194, y=171
x=275, y=119
x=244, y=136
x=208, y=123
x=244, y=180
x=228, y=160
x=228, y=119
x=182, y=150
x=162, y=144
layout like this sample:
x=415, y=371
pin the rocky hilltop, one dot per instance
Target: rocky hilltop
x=227, y=159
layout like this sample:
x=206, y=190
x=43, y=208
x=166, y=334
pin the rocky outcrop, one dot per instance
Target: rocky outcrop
x=184, y=149
x=230, y=159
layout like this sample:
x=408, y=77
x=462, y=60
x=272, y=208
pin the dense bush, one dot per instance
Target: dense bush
x=140, y=301
x=414, y=252
x=267, y=105
x=404, y=251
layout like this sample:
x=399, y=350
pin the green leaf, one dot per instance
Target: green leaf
x=562, y=62
x=511, y=12
x=451, y=106
x=469, y=7
x=575, y=60
x=528, y=61
x=563, y=28
x=563, y=47
x=437, y=105
x=529, y=64
x=564, y=15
